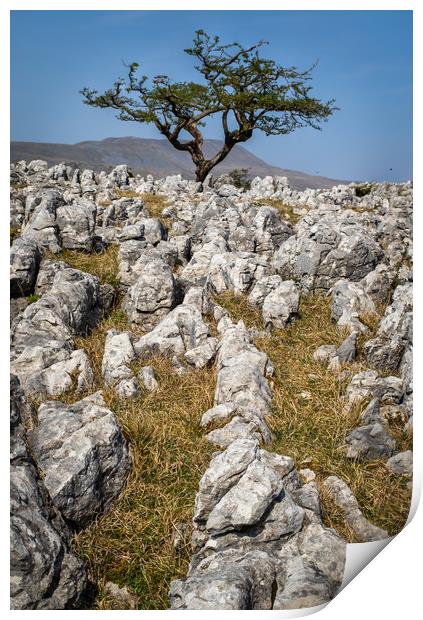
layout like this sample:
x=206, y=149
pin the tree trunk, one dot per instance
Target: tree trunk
x=201, y=171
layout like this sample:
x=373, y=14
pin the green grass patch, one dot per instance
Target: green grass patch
x=32, y=298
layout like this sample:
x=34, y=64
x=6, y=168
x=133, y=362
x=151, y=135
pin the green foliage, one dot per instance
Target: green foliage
x=239, y=178
x=32, y=298
x=363, y=190
x=247, y=91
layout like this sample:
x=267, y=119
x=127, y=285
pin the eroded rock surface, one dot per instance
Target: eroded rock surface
x=247, y=525
x=45, y=573
x=83, y=455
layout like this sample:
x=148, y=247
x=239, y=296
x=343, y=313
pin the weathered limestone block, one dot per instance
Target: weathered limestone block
x=45, y=573
x=119, y=353
x=83, y=455
x=343, y=497
x=25, y=259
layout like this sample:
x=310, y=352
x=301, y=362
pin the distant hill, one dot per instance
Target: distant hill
x=156, y=157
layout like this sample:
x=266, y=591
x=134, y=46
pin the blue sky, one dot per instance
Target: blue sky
x=365, y=63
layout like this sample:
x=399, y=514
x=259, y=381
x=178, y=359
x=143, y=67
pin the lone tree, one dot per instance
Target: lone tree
x=248, y=91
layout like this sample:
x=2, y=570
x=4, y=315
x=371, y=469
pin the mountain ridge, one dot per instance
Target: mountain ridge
x=157, y=157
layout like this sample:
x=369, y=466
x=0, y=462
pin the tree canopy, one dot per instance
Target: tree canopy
x=247, y=91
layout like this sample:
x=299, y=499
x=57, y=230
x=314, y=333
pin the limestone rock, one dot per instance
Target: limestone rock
x=83, y=455
x=152, y=296
x=349, y=302
x=124, y=211
x=368, y=384
x=181, y=330
x=45, y=573
x=40, y=219
x=200, y=356
x=327, y=246
x=223, y=472
x=227, y=580
x=394, y=334
x=75, y=371
x=347, y=350
x=25, y=259
x=341, y=494
x=262, y=288
x=369, y=442
x=281, y=305
x=240, y=428
x=371, y=414
x=120, y=175
x=324, y=353
x=401, y=464
x=46, y=274
x=76, y=223
x=218, y=413
x=119, y=353
x=245, y=503
x=148, y=378
x=122, y=597
x=235, y=272
x=44, y=333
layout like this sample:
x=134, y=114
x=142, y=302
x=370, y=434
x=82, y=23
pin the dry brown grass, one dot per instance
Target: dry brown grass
x=155, y=204
x=126, y=193
x=239, y=309
x=287, y=211
x=15, y=232
x=132, y=544
x=104, y=203
x=18, y=185
x=309, y=419
x=104, y=265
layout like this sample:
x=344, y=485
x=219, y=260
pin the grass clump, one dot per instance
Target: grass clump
x=155, y=204
x=132, y=544
x=32, y=298
x=286, y=211
x=16, y=185
x=104, y=203
x=15, y=231
x=239, y=309
x=126, y=193
x=104, y=265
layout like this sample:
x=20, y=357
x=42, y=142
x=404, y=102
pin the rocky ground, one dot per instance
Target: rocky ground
x=211, y=390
